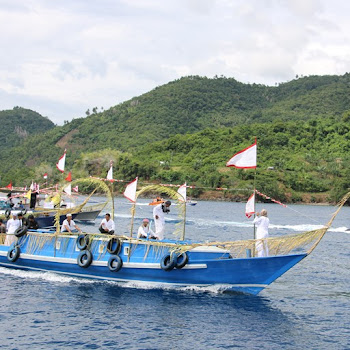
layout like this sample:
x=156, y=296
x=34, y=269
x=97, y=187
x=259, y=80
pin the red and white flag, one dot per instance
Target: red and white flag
x=244, y=159
x=250, y=206
x=110, y=174
x=182, y=192
x=75, y=189
x=130, y=191
x=45, y=176
x=69, y=177
x=61, y=162
x=68, y=189
x=9, y=186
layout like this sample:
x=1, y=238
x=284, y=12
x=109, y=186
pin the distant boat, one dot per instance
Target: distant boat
x=191, y=202
x=157, y=201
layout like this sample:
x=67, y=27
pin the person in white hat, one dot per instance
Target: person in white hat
x=69, y=225
x=11, y=227
x=159, y=212
x=144, y=230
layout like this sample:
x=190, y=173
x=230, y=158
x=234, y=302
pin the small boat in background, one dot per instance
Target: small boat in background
x=157, y=201
x=190, y=202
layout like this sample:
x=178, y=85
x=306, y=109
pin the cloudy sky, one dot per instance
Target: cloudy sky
x=60, y=58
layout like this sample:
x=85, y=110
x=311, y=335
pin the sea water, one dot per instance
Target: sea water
x=307, y=308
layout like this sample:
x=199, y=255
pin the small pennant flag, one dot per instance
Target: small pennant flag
x=61, y=162
x=28, y=194
x=244, y=159
x=45, y=176
x=68, y=189
x=250, y=206
x=69, y=177
x=130, y=191
x=75, y=189
x=182, y=191
x=9, y=186
x=110, y=174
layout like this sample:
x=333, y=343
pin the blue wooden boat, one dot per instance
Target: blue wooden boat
x=48, y=221
x=230, y=266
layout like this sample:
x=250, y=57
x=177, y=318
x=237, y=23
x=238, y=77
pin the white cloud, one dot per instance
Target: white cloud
x=61, y=58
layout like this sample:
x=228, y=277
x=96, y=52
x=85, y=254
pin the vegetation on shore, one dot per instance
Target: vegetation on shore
x=188, y=129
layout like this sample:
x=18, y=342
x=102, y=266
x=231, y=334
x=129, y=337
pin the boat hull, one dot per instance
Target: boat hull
x=204, y=269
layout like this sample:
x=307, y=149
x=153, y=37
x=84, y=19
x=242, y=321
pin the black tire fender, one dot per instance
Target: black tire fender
x=115, y=263
x=181, y=260
x=21, y=231
x=84, y=258
x=168, y=262
x=114, y=246
x=13, y=253
x=83, y=242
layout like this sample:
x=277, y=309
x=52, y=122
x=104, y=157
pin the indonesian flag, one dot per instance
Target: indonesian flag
x=68, y=189
x=45, y=176
x=61, y=162
x=130, y=191
x=244, y=159
x=110, y=174
x=250, y=206
x=75, y=189
x=182, y=191
x=9, y=186
x=69, y=177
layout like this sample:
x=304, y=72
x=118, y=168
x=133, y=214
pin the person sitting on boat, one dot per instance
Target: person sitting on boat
x=19, y=205
x=11, y=226
x=159, y=218
x=69, y=225
x=32, y=223
x=107, y=225
x=145, y=231
x=262, y=232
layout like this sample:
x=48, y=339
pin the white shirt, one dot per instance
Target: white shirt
x=144, y=231
x=108, y=224
x=12, y=225
x=158, y=210
x=66, y=223
x=262, y=229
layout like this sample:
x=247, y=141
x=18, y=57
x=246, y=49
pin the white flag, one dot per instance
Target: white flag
x=68, y=189
x=76, y=188
x=244, y=159
x=250, y=206
x=130, y=191
x=182, y=191
x=61, y=162
x=110, y=174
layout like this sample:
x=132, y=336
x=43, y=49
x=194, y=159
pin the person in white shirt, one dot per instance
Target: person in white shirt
x=262, y=232
x=69, y=225
x=107, y=225
x=11, y=227
x=145, y=231
x=159, y=218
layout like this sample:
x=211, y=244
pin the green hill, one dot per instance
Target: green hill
x=18, y=124
x=193, y=126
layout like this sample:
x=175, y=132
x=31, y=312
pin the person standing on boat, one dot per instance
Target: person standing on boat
x=262, y=232
x=22, y=220
x=2, y=227
x=11, y=226
x=69, y=225
x=145, y=231
x=159, y=218
x=107, y=225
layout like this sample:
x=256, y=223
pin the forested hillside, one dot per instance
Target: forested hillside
x=186, y=131
x=19, y=123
